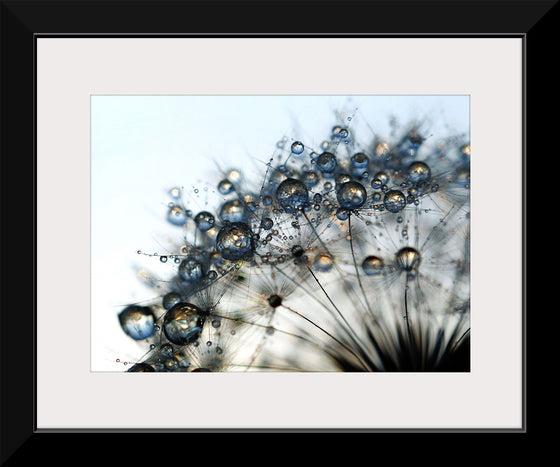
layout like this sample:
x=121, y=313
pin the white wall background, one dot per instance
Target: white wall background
x=71, y=70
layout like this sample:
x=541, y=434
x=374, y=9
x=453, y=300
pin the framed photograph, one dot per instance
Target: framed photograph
x=328, y=228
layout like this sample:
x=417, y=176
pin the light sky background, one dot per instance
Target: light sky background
x=141, y=146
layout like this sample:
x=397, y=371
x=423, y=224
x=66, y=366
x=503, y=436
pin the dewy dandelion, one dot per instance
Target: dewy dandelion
x=350, y=256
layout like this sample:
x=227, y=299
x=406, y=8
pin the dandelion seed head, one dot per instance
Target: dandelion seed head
x=302, y=267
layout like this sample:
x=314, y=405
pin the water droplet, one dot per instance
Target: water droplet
x=292, y=194
x=177, y=215
x=232, y=211
x=166, y=350
x=342, y=214
x=170, y=300
x=408, y=259
x=326, y=162
x=163, y=259
x=234, y=176
x=235, y=241
x=267, y=223
x=190, y=270
x=212, y=275
x=204, y=221
x=342, y=178
x=225, y=187
x=380, y=179
x=360, y=160
x=351, y=195
x=216, y=323
x=171, y=364
x=297, y=147
x=175, y=192
x=415, y=139
x=137, y=321
x=310, y=179
x=323, y=262
x=183, y=323
x=419, y=172
x=372, y=265
x=394, y=201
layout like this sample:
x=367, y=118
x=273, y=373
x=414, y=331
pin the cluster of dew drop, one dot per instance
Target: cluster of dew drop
x=353, y=256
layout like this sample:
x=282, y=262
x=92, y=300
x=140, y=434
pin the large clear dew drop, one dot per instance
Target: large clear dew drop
x=182, y=323
x=292, y=194
x=235, y=242
x=394, y=201
x=204, y=221
x=351, y=195
x=137, y=322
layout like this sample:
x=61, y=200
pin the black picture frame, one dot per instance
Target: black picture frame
x=22, y=22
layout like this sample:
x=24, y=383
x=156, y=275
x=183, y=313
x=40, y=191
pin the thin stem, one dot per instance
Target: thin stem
x=349, y=349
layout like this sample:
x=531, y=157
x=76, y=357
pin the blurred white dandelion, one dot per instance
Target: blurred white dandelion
x=288, y=234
